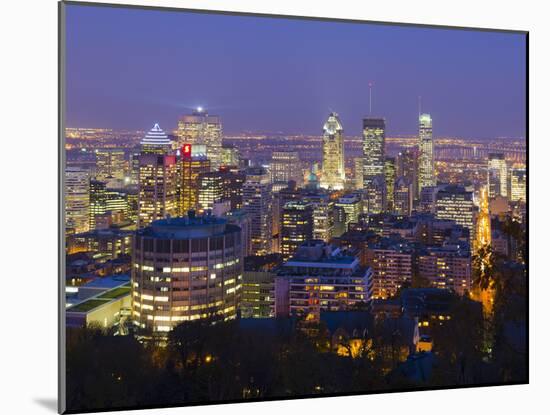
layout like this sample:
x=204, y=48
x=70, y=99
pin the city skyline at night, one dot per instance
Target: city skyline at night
x=268, y=208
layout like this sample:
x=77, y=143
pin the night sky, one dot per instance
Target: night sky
x=130, y=68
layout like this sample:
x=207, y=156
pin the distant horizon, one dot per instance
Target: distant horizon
x=128, y=67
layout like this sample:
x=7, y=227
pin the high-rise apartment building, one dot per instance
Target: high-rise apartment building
x=185, y=269
x=77, y=200
x=426, y=170
x=447, y=267
x=157, y=188
x=321, y=277
x=392, y=261
x=202, y=128
x=333, y=168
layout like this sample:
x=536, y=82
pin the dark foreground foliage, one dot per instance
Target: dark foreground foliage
x=201, y=362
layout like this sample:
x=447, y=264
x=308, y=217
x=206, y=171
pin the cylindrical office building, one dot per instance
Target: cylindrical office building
x=185, y=269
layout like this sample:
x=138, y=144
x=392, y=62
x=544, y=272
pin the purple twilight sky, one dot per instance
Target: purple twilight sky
x=130, y=68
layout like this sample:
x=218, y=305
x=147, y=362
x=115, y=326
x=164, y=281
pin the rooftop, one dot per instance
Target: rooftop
x=188, y=227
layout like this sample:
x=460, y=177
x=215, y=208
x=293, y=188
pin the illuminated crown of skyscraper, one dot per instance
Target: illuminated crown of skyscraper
x=156, y=137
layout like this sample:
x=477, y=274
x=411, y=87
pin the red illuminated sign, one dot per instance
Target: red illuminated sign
x=186, y=150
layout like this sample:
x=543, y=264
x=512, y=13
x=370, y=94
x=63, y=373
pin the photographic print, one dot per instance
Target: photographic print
x=259, y=207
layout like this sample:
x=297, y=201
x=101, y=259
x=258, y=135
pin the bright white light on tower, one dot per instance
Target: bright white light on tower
x=199, y=109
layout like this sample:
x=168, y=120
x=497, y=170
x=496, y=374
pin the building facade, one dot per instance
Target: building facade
x=321, y=277
x=426, y=170
x=258, y=204
x=202, y=128
x=77, y=200
x=333, y=168
x=296, y=226
x=157, y=188
x=185, y=269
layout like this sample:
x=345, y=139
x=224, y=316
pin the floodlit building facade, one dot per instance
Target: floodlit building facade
x=333, y=168
x=202, y=128
x=157, y=188
x=192, y=163
x=426, y=170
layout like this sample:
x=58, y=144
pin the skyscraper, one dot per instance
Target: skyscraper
x=333, y=173
x=403, y=196
x=497, y=175
x=202, y=128
x=407, y=166
x=358, y=173
x=258, y=204
x=483, y=224
x=426, y=173
x=285, y=166
x=374, y=196
x=210, y=189
x=104, y=200
x=389, y=176
x=518, y=185
x=110, y=164
x=351, y=206
x=156, y=142
x=192, y=163
x=157, y=188
x=456, y=203
x=374, y=138
x=77, y=200
x=296, y=226
x=230, y=156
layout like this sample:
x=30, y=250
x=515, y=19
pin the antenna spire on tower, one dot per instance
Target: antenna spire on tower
x=419, y=105
x=370, y=97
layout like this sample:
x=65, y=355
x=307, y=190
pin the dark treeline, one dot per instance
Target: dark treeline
x=201, y=362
